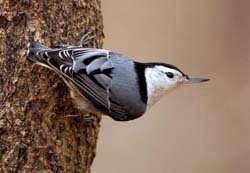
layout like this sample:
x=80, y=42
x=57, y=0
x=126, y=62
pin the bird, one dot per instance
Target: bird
x=108, y=83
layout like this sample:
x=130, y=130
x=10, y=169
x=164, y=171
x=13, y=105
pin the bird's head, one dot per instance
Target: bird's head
x=162, y=78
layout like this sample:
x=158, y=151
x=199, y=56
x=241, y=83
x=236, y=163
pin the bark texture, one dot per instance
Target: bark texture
x=35, y=133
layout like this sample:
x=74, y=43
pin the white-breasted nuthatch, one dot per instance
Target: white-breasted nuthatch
x=109, y=83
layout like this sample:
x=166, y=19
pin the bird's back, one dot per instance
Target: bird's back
x=125, y=85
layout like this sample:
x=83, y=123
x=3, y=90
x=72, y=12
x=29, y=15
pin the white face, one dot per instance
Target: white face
x=171, y=76
x=161, y=80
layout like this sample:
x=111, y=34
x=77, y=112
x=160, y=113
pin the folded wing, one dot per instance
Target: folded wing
x=90, y=72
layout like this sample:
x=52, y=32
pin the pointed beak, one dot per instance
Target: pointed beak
x=194, y=80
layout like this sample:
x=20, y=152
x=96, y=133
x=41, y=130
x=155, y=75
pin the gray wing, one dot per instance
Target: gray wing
x=90, y=72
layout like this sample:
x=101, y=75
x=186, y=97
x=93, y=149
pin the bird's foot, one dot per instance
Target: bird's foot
x=71, y=116
x=86, y=39
x=89, y=118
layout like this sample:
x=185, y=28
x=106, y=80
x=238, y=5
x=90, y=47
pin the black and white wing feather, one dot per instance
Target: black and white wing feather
x=90, y=72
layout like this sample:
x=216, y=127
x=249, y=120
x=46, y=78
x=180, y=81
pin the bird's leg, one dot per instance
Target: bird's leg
x=76, y=115
x=89, y=118
x=85, y=40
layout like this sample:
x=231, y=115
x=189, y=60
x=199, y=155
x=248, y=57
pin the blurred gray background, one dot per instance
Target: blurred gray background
x=202, y=128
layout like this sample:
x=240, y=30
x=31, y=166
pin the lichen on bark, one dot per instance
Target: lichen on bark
x=35, y=133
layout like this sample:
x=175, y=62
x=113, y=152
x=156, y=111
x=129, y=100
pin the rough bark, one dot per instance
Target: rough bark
x=35, y=133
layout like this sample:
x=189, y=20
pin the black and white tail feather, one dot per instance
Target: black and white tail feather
x=86, y=70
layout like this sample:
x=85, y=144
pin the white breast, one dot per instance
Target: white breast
x=155, y=85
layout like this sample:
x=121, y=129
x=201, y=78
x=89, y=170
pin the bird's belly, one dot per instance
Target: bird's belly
x=83, y=103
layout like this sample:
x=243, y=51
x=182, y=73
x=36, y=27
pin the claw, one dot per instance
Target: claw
x=77, y=115
x=86, y=39
x=89, y=118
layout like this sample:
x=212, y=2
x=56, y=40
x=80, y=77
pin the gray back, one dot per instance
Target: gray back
x=125, y=87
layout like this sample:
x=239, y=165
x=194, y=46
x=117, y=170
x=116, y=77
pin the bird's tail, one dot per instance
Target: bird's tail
x=33, y=51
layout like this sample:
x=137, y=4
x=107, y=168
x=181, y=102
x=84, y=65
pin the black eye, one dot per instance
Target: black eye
x=170, y=75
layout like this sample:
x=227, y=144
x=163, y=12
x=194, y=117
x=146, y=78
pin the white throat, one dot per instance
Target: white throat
x=157, y=86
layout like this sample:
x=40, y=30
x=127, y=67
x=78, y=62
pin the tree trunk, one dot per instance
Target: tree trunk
x=35, y=133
